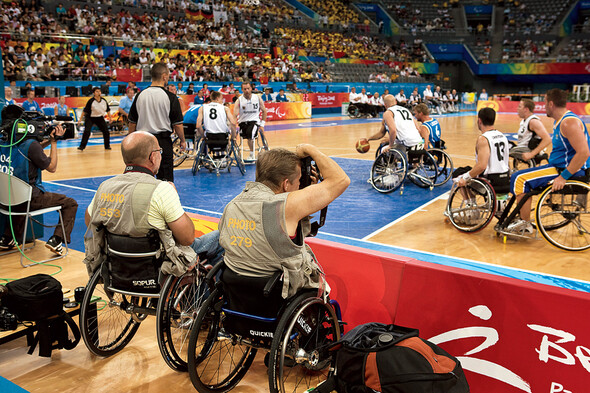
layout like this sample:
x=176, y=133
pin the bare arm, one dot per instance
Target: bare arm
x=302, y=203
x=379, y=134
x=572, y=129
x=232, y=122
x=183, y=230
x=237, y=109
x=483, y=156
x=199, y=125
x=425, y=134
x=263, y=109
x=390, y=123
x=539, y=129
x=132, y=127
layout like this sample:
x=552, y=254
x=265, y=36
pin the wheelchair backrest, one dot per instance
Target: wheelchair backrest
x=250, y=313
x=134, y=263
x=217, y=141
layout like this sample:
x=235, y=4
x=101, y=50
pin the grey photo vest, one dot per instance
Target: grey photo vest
x=253, y=234
x=121, y=205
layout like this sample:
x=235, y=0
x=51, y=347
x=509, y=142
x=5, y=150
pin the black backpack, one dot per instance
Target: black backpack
x=39, y=299
x=375, y=357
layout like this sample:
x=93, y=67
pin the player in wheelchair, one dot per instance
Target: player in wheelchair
x=533, y=138
x=404, y=153
x=141, y=255
x=217, y=151
x=473, y=196
x=561, y=211
x=272, y=294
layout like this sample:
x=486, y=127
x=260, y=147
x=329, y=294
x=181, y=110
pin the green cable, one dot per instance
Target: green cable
x=12, y=143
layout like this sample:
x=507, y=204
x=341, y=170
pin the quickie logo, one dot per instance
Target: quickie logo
x=480, y=366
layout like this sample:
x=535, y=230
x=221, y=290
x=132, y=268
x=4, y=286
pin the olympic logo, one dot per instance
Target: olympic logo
x=490, y=104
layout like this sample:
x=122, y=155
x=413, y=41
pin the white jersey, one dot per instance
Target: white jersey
x=249, y=110
x=498, y=161
x=214, y=118
x=524, y=133
x=406, y=131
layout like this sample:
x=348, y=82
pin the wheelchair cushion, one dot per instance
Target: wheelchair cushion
x=134, y=273
x=244, y=295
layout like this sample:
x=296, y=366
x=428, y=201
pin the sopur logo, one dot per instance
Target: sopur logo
x=491, y=338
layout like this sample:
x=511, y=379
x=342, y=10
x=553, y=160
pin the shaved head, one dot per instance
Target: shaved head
x=389, y=100
x=137, y=147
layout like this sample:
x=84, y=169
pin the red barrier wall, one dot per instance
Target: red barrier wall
x=510, y=335
x=579, y=108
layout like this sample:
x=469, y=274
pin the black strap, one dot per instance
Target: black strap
x=67, y=343
x=329, y=385
x=315, y=226
x=137, y=168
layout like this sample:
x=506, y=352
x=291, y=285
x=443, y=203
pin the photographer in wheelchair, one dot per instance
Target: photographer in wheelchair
x=533, y=138
x=143, y=258
x=272, y=294
x=570, y=158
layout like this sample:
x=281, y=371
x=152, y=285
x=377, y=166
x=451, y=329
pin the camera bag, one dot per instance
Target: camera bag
x=39, y=299
x=375, y=357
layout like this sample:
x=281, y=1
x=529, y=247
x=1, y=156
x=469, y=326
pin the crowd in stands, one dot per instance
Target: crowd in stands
x=515, y=50
x=396, y=72
x=410, y=17
x=333, y=12
x=519, y=19
x=577, y=51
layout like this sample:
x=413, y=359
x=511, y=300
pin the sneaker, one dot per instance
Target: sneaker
x=521, y=227
x=80, y=148
x=252, y=156
x=7, y=243
x=55, y=244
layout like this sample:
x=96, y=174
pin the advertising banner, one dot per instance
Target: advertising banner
x=326, y=100
x=287, y=110
x=510, y=335
x=579, y=108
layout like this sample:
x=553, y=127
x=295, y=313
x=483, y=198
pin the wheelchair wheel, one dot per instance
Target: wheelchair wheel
x=217, y=361
x=237, y=159
x=519, y=164
x=179, y=155
x=105, y=325
x=388, y=171
x=472, y=207
x=180, y=300
x=299, y=356
x=426, y=171
x=261, y=141
x=563, y=218
x=354, y=111
x=444, y=164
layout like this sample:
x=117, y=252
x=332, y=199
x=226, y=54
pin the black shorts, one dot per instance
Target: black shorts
x=249, y=129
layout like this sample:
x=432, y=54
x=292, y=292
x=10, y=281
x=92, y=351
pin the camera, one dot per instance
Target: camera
x=308, y=167
x=23, y=124
x=7, y=320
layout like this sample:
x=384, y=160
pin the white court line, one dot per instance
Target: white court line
x=94, y=191
x=69, y=186
x=201, y=210
x=404, y=216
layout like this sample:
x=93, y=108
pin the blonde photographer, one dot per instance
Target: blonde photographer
x=263, y=229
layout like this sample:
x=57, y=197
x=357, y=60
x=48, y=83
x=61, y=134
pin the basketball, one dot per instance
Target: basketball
x=362, y=145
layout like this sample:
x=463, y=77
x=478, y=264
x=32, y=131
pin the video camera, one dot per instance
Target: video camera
x=29, y=124
x=309, y=170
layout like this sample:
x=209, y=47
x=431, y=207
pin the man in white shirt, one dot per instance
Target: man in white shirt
x=401, y=98
x=483, y=96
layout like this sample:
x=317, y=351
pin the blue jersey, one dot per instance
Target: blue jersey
x=563, y=152
x=62, y=110
x=31, y=106
x=190, y=116
x=433, y=129
x=17, y=163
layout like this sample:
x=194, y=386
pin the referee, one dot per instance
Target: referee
x=158, y=112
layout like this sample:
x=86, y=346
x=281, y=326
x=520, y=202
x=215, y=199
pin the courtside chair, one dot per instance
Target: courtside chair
x=21, y=192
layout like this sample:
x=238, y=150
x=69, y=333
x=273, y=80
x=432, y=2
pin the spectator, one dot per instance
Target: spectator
x=61, y=109
x=282, y=97
x=126, y=102
x=267, y=97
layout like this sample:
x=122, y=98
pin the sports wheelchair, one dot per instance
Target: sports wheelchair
x=517, y=163
x=216, y=152
x=562, y=217
x=128, y=287
x=245, y=314
x=192, y=145
x=259, y=142
x=425, y=168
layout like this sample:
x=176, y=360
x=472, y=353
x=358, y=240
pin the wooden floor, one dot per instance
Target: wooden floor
x=139, y=368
